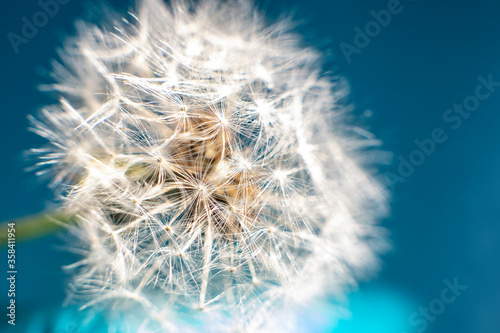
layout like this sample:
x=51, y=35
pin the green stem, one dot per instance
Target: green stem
x=34, y=226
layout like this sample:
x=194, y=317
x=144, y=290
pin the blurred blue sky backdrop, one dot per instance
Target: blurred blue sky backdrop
x=445, y=215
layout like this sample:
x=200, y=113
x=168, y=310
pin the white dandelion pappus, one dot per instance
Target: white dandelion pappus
x=209, y=166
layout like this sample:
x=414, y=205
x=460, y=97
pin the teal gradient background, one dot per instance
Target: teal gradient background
x=444, y=221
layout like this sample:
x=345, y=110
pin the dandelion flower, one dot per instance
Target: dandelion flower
x=209, y=164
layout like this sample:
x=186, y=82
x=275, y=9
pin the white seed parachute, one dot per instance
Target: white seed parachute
x=210, y=167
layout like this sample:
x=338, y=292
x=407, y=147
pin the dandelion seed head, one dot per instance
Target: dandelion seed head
x=208, y=164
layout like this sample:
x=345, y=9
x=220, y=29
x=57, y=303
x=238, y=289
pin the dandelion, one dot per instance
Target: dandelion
x=210, y=167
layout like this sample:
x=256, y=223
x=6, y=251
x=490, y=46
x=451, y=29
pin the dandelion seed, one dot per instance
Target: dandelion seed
x=209, y=167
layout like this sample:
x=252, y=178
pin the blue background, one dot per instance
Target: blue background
x=444, y=220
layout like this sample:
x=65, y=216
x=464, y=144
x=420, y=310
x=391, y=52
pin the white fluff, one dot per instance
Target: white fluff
x=210, y=167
